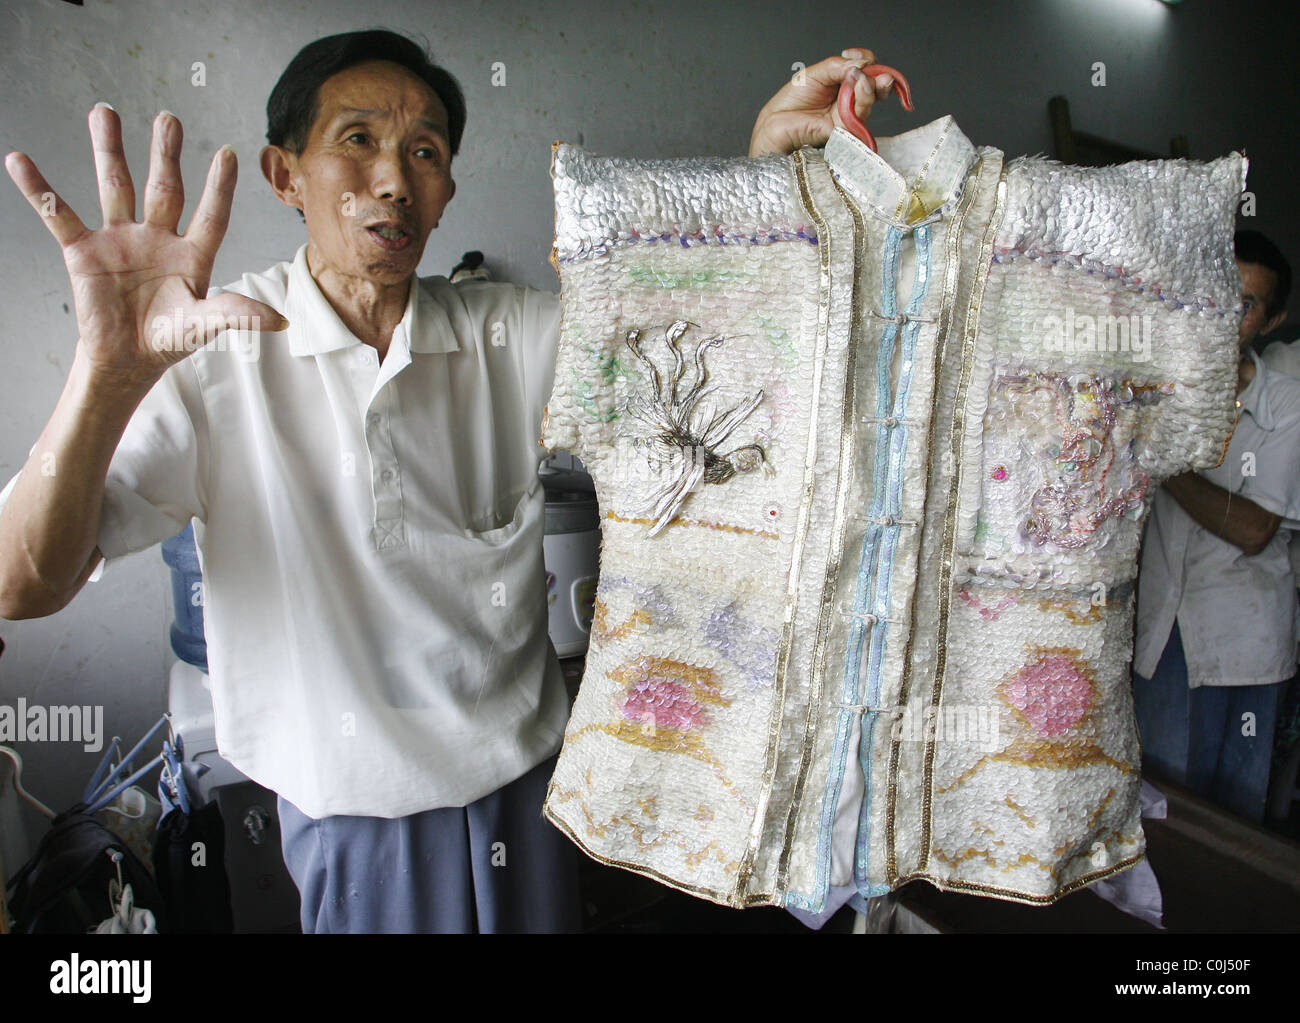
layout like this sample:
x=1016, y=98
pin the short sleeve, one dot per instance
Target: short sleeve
x=155, y=481
x=1275, y=484
x=1283, y=356
x=541, y=318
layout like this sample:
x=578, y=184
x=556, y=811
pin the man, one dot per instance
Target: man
x=1216, y=619
x=359, y=455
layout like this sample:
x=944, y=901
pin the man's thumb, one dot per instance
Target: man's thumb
x=231, y=311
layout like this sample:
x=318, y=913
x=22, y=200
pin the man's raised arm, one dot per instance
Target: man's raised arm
x=123, y=276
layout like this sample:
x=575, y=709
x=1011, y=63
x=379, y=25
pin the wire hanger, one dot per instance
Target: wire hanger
x=26, y=796
x=105, y=798
x=95, y=794
x=851, y=120
x=114, y=747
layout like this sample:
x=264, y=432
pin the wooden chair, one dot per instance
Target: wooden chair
x=1084, y=149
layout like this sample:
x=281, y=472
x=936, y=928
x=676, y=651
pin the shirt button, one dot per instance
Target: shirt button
x=386, y=475
x=373, y=419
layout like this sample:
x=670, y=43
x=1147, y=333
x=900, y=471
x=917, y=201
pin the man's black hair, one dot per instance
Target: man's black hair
x=1253, y=247
x=293, y=106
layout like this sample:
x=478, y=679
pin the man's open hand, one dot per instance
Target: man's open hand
x=804, y=113
x=130, y=278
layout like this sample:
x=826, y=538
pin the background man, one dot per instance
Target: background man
x=1216, y=618
x=360, y=461
x=1283, y=356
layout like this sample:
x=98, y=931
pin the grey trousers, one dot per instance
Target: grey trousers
x=495, y=866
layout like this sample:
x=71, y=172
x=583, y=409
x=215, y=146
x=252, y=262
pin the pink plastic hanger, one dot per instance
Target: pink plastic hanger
x=851, y=120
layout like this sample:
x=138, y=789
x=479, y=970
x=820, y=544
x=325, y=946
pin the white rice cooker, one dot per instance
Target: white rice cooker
x=571, y=549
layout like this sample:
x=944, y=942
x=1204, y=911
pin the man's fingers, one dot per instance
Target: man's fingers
x=164, y=194
x=827, y=74
x=864, y=98
x=230, y=311
x=63, y=223
x=213, y=213
x=182, y=330
x=864, y=95
x=116, y=190
x=246, y=313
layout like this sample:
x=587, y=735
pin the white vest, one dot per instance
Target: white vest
x=873, y=438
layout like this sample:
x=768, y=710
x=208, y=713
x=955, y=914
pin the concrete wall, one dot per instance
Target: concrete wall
x=640, y=79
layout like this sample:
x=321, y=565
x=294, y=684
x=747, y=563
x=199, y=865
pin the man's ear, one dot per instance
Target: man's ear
x=278, y=167
x=1273, y=323
x=444, y=205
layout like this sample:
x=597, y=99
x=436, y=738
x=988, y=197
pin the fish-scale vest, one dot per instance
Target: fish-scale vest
x=874, y=437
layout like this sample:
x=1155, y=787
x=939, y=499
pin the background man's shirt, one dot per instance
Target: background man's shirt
x=1236, y=612
x=1284, y=356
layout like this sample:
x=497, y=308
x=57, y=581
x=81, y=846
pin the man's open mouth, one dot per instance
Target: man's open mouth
x=389, y=236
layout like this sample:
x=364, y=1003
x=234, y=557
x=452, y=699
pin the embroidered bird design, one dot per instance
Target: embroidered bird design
x=688, y=434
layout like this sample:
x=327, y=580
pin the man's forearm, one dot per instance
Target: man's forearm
x=1231, y=517
x=48, y=527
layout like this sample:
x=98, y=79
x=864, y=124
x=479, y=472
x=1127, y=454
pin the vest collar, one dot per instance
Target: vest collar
x=913, y=174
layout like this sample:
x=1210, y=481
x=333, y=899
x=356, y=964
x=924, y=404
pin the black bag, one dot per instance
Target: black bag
x=198, y=898
x=63, y=889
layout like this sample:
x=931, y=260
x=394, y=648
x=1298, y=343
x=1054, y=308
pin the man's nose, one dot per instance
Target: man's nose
x=390, y=179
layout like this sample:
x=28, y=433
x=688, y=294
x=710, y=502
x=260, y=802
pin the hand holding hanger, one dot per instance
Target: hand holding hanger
x=845, y=103
x=812, y=105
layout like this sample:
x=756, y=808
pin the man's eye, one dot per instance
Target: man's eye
x=360, y=137
x=428, y=153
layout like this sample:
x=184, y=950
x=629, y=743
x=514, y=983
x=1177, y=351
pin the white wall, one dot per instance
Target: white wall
x=640, y=79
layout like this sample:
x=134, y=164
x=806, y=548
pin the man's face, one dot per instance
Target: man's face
x=1257, y=284
x=375, y=174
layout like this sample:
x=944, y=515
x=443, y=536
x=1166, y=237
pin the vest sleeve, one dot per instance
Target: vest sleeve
x=1129, y=269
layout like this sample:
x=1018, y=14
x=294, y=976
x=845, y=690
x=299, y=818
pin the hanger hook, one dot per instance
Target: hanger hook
x=851, y=120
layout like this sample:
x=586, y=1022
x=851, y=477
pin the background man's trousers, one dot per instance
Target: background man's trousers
x=1194, y=737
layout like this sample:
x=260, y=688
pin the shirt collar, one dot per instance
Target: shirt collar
x=911, y=176
x=315, y=328
x=1255, y=398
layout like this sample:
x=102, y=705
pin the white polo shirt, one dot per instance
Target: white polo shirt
x=371, y=541
x=1236, y=612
